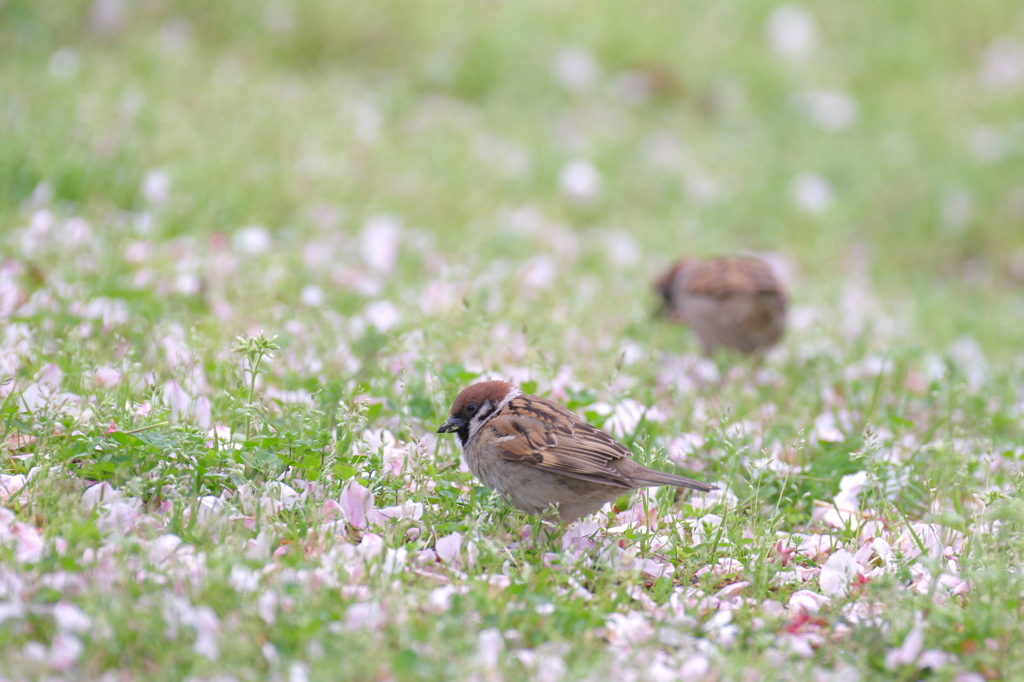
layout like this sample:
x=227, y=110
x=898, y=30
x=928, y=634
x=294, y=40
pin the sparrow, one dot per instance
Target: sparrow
x=537, y=454
x=733, y=302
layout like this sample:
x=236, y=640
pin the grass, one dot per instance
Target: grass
x=249, y=255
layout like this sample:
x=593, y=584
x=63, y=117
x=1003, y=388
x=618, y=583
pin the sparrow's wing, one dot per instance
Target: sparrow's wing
x=545, y=435
x=726, y=277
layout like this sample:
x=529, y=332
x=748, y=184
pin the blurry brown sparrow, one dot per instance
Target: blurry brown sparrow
x=537, y=454
x=735, y=303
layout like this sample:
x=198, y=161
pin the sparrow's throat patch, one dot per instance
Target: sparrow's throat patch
x=463, y=434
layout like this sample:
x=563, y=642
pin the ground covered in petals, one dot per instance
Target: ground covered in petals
x=250, y=252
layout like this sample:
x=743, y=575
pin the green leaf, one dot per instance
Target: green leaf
x=373, y=411
x=949, y=519
x=900, y=422
x=343, y=471
x=421, y=408
x=405, y=661
x=458, y=374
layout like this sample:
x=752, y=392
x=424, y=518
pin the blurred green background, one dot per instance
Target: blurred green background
x=879, y=142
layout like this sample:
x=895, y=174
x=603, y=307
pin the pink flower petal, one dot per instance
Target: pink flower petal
x=806, y=601
x=97, y=494
x=838, y=572
x=356, y=504
x=907, y=652
x=29, y=542
x=106, y=377
x=448, y=547
x=64, y=651
x=70, y=618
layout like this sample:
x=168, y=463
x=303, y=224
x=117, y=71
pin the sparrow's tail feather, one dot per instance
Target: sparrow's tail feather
x=652, y=477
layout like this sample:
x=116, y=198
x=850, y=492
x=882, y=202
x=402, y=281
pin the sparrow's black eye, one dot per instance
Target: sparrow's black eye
x=471, y=408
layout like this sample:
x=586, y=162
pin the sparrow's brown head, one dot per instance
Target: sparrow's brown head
x=664, y=285
x=473, y=405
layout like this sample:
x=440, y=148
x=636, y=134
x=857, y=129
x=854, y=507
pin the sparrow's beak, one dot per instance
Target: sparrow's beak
x=451, y=424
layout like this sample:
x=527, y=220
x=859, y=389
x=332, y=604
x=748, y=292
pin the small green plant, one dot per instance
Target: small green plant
x=254, y=350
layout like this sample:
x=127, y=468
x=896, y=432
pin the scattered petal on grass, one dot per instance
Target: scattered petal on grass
x=98, y=494
x=394, y=460
x=50, y=375
x=11, y=486
x=969, y=677
x=266, y=607
x=576, y=69
x=489, y=645
x=356, y=505
x=65, y=650
x=209, y=509
x=298, y=672
x=844, y=510
x=312, y=296
x=908, y=652
x=812, y=193
x=935, y=659
x=580, y=181
x=825, y=428
x=27, y=541
x=243, y=579
x=107, y=377
x=1003, y=65
x=807, y=601
x=838, y=573
x=180, y=401
x=406, y=510
x=279, y=496
x=364, y=616
x=448, y=547
x=626, y=415
x=538, y=273
x=11, y=610
x=792, y=31
x=163, y=548
x=382, y=314
x=252, y=240
x=379, y=243
x=394, y=560
x=705, y=529
x=695, y=667
x=156, y=186
x=64, y=63
x=828, y=110
x=119, y=518
x=628, y=629
x=70, y=618
x=207, y=627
